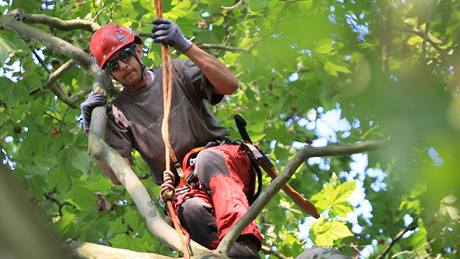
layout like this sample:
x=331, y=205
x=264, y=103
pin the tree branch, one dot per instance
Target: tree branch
x=231, y=8
x=207, y=45
x=49, y=196
x=40, y=60
x=266, y=250
x=431, y=10
x=54, y=76
x=283, y=178
x=65, y=25
x=53, y=85
x=60, y=71
x=12, y=22
x=433, y=42
x=95, y=251
x=222, y=47
x=398, y=254
x=401, y=233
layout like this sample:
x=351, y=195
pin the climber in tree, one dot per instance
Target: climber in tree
x=222, y=178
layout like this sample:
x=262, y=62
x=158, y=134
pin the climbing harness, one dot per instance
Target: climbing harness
x=167, y=188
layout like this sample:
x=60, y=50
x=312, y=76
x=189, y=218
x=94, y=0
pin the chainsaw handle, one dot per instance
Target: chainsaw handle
x=241, y=125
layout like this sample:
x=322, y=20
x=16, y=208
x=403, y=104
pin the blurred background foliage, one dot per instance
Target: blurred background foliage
x=314, y=72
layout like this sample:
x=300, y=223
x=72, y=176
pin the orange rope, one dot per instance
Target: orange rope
x=167, y=188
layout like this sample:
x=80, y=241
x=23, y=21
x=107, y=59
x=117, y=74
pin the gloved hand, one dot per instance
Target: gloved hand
x=94, y=100
x=165, y=31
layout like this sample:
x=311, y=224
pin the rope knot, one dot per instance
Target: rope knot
x=167, y=187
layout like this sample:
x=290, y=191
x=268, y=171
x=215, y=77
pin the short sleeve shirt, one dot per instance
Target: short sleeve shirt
x=140, y=113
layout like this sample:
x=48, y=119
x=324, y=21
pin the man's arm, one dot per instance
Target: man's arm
x=165, y=31
x=218, y=74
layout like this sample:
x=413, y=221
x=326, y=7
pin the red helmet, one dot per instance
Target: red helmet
x=109, y=39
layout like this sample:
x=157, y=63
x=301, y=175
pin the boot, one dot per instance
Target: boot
x=245, y=247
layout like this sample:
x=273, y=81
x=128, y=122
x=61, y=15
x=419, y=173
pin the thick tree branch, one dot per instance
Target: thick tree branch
x=401, y=233
x=283, y=178
x=95, y=251
x=12, y=22
x=65, y=25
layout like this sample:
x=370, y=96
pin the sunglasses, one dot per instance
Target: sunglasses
x=124, y=56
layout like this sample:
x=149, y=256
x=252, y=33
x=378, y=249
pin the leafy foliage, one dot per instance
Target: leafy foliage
x=389, y=69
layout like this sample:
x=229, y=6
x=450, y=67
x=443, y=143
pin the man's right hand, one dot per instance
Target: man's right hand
x=94, y=100
x=166, y=31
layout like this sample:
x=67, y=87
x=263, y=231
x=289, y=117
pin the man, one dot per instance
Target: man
x=223, y=177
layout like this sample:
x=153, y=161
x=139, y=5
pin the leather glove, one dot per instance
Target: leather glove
x=94, y=100
x=165, y=31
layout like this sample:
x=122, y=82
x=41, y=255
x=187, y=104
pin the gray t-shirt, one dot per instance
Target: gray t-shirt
x=136, y=116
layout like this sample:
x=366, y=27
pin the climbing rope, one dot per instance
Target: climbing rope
x=167, y=188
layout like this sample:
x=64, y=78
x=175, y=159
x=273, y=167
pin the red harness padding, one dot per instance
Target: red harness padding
x=186, y=189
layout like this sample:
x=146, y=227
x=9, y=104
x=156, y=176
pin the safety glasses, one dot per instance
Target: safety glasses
x=124, y=56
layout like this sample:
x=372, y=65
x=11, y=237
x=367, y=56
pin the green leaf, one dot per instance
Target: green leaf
x=334, y=69
x=341, y=209
x=344, y=191
x=414, y=40
x=418, y=240
x=83, y=197
x=5, y=50
x=324, y=233
x=257, y=5
x=58, y=178
x=448, y=209
x=335, y=198
x=323, y=47
x=81, y=160
x=67, y=222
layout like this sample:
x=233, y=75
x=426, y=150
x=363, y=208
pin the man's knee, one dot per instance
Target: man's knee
x=197, y=218
x=193, y=207
x=210, y=162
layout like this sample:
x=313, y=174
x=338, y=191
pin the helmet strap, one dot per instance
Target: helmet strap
x=141, y=64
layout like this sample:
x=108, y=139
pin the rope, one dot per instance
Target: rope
x=167, y=188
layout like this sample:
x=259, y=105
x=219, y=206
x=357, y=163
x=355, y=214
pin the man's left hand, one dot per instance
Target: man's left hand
x=166, y=31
